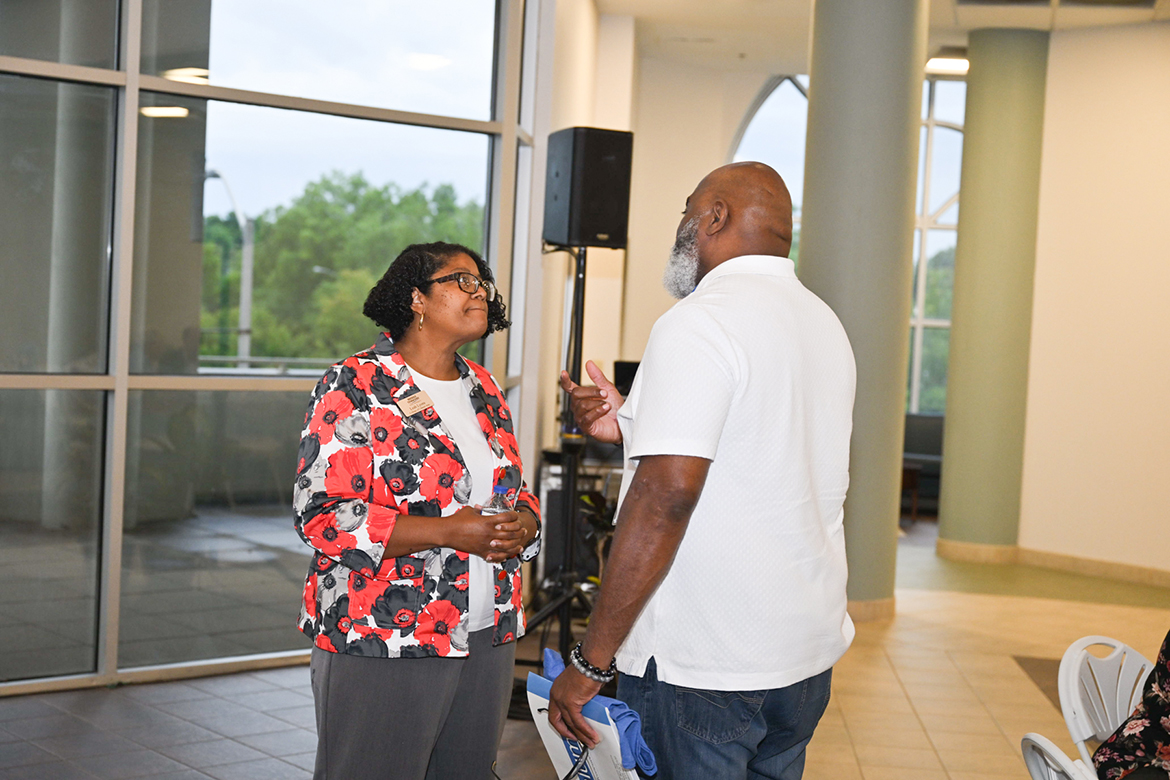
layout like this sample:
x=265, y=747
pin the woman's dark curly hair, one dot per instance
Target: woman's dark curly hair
x=388, y=303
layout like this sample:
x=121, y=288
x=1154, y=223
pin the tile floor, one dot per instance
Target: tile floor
x=934, y=694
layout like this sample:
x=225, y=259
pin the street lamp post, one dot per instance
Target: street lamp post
x=248, y=231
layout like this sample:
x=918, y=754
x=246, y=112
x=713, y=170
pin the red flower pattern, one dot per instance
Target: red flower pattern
x=385, y=427
x=435, y=624
x=364, y=373
x=347, y=510
x=333, y=407
x=349, y=473
x=439, y=474
x=363, y=591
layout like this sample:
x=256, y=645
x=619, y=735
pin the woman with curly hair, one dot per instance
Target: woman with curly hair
x=1140, y=748
x=413, y=595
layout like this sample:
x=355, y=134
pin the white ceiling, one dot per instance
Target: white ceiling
x=772, y=35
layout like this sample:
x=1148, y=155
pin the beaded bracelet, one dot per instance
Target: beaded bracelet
x=594, y=673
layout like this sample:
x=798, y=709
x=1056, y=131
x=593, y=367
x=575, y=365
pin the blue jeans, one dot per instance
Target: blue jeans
x=726, y=735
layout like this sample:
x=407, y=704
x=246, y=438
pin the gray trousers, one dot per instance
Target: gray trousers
x=411, y=718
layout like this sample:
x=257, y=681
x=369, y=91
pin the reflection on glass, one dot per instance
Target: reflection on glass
x=434, y=57
x=940, y=273
x=326, y=202
x=211, y=563
x=66, y=31
x=945, y=164
x=50, y=510
x=776, y=136
x=950, y=101
x=926, y=85
x=56, y=193
x=932, y=393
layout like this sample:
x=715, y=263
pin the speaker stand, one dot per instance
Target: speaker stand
x=566, y=586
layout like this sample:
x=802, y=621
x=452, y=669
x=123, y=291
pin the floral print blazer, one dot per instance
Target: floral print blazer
x=363, y=461
x=1144, y=738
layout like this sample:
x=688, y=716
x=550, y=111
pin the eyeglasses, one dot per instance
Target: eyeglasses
x=469, y=283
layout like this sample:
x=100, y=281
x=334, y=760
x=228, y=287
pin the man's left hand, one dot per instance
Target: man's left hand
x=570, y=692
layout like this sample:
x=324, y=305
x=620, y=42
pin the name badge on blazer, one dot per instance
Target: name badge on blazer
x=413, y=404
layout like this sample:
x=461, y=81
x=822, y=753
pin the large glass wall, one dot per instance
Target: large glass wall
x=775, y=134
x=196, y=198
x=50, y=516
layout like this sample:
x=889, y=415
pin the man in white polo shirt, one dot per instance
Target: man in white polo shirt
x=723, y=602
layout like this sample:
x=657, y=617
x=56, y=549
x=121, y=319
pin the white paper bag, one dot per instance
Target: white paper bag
x=604, y=761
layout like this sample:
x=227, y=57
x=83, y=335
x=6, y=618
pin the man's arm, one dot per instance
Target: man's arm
x=651, y=525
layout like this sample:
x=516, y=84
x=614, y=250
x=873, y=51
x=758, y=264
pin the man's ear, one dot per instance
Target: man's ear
x=719, y=217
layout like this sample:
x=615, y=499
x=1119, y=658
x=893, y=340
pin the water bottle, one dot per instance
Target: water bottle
x=499, y=502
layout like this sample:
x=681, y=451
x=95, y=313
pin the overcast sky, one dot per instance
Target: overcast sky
x=431, y=57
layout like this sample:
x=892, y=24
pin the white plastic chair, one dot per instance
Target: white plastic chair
x=1097, y=694
x=1045, y=761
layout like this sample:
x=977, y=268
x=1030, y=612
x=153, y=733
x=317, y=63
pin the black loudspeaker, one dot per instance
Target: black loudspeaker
x=587, y=187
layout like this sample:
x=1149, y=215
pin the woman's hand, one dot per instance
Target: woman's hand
x=494, y=538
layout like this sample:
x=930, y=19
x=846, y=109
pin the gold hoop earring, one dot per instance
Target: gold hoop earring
x=420, y=320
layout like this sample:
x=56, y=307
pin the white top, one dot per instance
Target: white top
x=453, y=405
x=755, y=373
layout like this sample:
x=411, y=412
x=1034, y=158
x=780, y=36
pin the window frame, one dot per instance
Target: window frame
x=522, y=27
x=925, y=221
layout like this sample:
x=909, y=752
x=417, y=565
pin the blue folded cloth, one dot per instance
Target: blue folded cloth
x=635, y=751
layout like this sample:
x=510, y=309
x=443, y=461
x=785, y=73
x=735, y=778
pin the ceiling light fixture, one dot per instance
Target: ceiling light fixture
x=164, y=112
x=947, y=66
x=188, y=75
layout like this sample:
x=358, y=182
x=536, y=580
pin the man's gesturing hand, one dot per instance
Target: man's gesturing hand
x=570, y=692
x=595, y=408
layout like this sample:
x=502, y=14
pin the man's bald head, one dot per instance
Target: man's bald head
x=739, y=209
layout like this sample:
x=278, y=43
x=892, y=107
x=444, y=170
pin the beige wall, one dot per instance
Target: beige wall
x=685, y=118
x=1097, y=438
x=593, y=85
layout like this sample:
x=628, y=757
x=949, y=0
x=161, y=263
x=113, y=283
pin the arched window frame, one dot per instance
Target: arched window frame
x=925, y=219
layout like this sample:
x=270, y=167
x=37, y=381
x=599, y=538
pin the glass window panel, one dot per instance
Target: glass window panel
x=917, y=253
x=50, y=520
x=940, y=273
x=776, y=136
x=794, y=251
x=56, y=193
x=67, y=31
x=910, y=372
x=926, y=99
x=212, y=565
x=950, y=101
x=434, y=57
x=932, y=393
x=945, y=164
x=950, y=216
x=921, y=169
x=333, y=201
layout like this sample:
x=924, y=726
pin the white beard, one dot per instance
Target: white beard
x=682, y=270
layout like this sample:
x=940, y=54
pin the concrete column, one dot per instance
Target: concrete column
x=979, y=508
x=857, y=232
